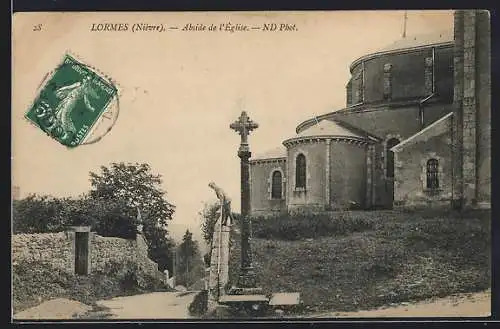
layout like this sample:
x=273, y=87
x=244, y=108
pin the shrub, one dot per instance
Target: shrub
x=303, y=225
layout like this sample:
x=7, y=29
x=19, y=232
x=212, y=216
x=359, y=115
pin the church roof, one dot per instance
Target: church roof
x=437, y=128
x=420, y=40
x=409, y=42
x=278, y=152
x=327, y=128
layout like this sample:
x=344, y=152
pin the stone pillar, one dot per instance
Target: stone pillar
x=370, y=150
x=465, y=141
x=247, y=276
x=469, y=110
x=387, y=81
x=458, y=76
x=483, y=104
x=219, y=263
x=327, y=175
x=247, y=280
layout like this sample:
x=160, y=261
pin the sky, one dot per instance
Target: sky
x=180, y=90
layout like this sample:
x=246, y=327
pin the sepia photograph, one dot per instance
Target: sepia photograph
x=251, y=165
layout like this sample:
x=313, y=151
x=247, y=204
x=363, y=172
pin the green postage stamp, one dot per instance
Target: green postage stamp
x=71, y=102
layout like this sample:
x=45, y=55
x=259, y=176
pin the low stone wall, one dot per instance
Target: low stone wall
x=105, y=253
x=53, y=248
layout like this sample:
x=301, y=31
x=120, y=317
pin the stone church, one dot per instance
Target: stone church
x=415, y=132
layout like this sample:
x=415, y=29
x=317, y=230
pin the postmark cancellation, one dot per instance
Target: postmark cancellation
x=72, y=101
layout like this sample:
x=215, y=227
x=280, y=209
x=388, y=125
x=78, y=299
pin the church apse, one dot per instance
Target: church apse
x=408, y=89
x=334, y=162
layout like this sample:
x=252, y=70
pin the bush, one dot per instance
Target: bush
x=300, y=226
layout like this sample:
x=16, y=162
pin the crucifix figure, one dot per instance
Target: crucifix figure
x=244, y=126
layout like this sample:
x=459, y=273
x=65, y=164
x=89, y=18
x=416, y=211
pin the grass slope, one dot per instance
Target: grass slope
x=362, y=260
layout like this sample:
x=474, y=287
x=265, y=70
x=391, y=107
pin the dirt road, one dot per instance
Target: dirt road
x=465, y=305
x=157, y=305
x=174, y=305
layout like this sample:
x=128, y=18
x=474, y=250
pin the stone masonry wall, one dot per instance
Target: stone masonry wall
x=260, y=187
x=410, y=188
x=106, y=251
x=58, y=251
x=53, y=248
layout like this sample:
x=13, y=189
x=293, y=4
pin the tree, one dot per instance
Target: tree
x=44, y=214
x=209, y=216
x=135, y=187
x=190, y=265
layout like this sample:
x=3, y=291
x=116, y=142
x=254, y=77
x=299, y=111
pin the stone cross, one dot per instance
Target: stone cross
x=244, y=126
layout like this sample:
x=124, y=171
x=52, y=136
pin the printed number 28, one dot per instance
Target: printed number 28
x=37, y=27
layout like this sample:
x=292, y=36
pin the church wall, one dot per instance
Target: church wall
x=314, y=196
x=347, y=175
x=380, y=123
x=407, y=75
x=381, y=197
x=393, y=121
x=261, y=203
x=444, y=74
x=483, y=67
x=410, y=188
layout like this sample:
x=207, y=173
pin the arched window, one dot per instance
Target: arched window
x=276, y=185
x=300, y=171
x=389, y=173
x=433, y=174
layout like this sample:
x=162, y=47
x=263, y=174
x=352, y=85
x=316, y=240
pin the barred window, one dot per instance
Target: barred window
x=300, y=171
x=389, y=173
x=276, y=185
x=432, y=174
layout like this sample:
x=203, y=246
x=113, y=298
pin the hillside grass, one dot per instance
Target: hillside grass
x=35, y=282
x=362, y=260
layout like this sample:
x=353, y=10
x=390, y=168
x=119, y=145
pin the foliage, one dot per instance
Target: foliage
x=209, y=216
x=136, y=187
x=300, y=226
x=41, y=214
x=45, y=214
x=190, y=266
x=404, y=256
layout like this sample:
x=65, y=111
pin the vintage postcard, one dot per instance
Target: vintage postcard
x=251, y=165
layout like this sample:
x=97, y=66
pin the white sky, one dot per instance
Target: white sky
x=181, y=90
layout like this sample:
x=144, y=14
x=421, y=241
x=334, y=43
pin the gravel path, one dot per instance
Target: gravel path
x=174, y=305
x=466, y=305
x=157, y=305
